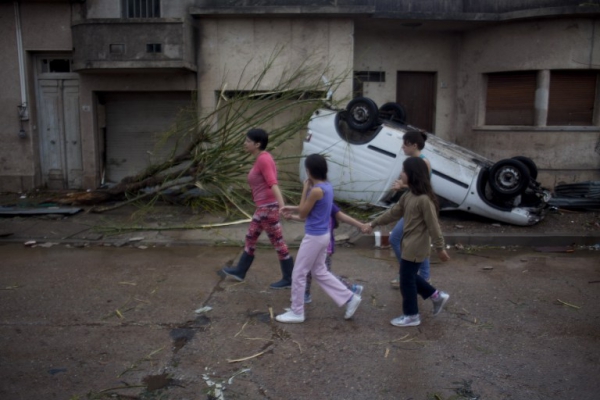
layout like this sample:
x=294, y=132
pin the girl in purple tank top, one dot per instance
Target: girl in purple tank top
x=315, y=206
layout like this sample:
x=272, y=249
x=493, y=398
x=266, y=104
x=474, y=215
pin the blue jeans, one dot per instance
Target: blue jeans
x=396, y=243
x=412, y=284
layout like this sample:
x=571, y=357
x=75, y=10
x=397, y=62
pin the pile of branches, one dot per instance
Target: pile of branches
x=209, y=154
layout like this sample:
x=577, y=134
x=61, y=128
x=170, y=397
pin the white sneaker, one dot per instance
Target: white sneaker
x=406, y=320
x=290, y=317
x=352, y=305
x=438, y=304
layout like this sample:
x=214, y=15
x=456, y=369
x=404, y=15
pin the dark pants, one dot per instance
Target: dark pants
x=412, y=284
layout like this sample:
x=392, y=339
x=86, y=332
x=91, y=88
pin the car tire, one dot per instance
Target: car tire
x=533, y=171
x=509, y=177
x=392, y=112
x=361, y=114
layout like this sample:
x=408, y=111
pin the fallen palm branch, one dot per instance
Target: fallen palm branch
x=203, y=163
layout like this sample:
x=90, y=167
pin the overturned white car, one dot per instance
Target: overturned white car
x=363, y=147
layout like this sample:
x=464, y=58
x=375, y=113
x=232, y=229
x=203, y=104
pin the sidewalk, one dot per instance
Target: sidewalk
x=173, y=225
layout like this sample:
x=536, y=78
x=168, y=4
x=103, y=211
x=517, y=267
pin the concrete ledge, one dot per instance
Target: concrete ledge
x=556, y=239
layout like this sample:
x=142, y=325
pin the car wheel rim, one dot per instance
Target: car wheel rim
x=360, y=114
x=509, y=178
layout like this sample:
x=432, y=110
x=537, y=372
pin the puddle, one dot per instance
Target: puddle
x=184, y=333
x=155, y=382
x=55, y=371
x=181, y=336
x=260, y=316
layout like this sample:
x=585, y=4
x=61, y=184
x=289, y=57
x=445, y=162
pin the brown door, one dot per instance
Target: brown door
x=415, y=91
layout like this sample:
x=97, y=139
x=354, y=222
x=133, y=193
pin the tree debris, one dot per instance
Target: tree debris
x=250, y=357
x=567, y=304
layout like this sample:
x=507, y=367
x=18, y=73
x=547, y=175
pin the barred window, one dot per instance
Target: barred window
x=141, y=8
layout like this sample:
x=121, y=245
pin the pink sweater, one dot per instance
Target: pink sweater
x=261, y=178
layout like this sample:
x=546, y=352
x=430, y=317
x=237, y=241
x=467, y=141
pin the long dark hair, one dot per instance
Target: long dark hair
x=417, y=174
x=316, y=166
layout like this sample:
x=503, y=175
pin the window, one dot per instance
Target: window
x=366, y=76
x=154, y=48
x=570, y=100
x=141, y=8
x=572, y=95
x=117, y=48
x=56, y=65
x=511, y=98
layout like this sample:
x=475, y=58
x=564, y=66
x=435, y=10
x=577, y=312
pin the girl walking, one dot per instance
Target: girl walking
x=337, y=216
x=315, y=206
x=419, y=208
x=413, y=144
x=268, y=199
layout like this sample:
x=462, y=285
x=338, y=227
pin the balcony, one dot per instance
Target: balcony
x=126, y=44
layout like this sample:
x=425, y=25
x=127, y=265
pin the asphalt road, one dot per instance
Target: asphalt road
x=105, y=322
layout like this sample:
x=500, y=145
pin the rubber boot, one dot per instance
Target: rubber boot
x=239, y=272
x=286, y=270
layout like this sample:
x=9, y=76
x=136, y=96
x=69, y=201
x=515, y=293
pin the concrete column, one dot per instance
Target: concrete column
x=542, y=97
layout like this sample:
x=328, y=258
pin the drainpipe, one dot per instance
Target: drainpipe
x=23, y=108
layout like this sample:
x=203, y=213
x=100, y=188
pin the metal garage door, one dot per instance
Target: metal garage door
x=135, y=122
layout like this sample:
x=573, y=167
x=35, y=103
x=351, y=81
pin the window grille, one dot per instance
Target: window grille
x=141, y=8
x=153, y=48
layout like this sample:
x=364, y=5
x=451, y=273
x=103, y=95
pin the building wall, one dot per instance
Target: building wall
x=92, y=115
x=564, y=154
x=112, y=8
x=45, y=27
x=13, y=150
x=234, y=51
x=387, y=46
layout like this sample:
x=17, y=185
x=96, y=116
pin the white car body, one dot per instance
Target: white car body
x=364, y=172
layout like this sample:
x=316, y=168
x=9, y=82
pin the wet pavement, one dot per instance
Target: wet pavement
x=155, y=321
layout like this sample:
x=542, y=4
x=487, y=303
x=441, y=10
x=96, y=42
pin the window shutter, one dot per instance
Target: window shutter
x=511, y=98
x=572, y=97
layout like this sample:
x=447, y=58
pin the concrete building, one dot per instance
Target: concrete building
x=86, y=84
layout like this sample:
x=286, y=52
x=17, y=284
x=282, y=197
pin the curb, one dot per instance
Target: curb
x=499, y=240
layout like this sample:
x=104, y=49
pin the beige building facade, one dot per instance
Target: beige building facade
x=88, y=85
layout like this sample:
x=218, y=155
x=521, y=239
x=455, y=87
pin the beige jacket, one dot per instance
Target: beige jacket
x=420, y=225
